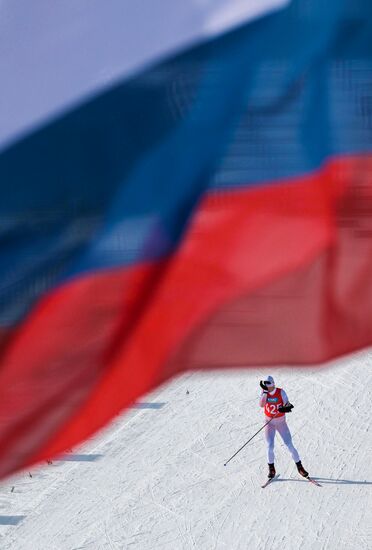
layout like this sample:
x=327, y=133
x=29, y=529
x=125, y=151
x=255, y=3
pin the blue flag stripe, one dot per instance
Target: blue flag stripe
x=115, y=181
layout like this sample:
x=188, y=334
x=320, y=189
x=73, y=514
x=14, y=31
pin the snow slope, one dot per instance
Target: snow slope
x=155, y=479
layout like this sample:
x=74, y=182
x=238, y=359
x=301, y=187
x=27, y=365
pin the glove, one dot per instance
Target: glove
x=287, y=408
x=263, y=386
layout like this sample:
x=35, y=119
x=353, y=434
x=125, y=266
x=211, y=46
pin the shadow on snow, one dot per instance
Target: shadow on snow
x=328, y=480
x=150, y=405
x=78, y=458
x=11, y=520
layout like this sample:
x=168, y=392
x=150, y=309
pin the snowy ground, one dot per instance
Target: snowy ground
x=155, y=479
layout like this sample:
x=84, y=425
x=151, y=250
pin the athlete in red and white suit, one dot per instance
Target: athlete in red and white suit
x=272, y=399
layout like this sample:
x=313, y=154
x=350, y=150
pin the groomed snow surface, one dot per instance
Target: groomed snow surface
x=155, y=478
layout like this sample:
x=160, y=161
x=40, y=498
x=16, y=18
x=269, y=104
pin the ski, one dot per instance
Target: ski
x=313, y=481
x=269, y=481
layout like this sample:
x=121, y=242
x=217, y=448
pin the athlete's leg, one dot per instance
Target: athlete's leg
x=270, y=436
x=283, y=429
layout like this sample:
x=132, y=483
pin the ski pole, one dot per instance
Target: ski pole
x=242, y=447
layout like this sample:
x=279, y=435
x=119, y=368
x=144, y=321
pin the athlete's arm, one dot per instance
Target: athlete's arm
x=287, y=407
x=263, y=398
x=284, y=397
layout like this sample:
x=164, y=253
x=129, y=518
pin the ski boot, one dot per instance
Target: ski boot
x=301, y=470
x=272, y=472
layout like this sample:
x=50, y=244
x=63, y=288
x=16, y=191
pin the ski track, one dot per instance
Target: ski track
x=161, y=484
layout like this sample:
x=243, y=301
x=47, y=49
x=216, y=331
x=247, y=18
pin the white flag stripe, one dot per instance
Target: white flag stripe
x=55, y=54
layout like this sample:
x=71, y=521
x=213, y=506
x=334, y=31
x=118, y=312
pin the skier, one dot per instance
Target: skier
x=275, y=402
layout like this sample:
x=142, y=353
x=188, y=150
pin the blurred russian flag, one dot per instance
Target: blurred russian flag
x=184, y=184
